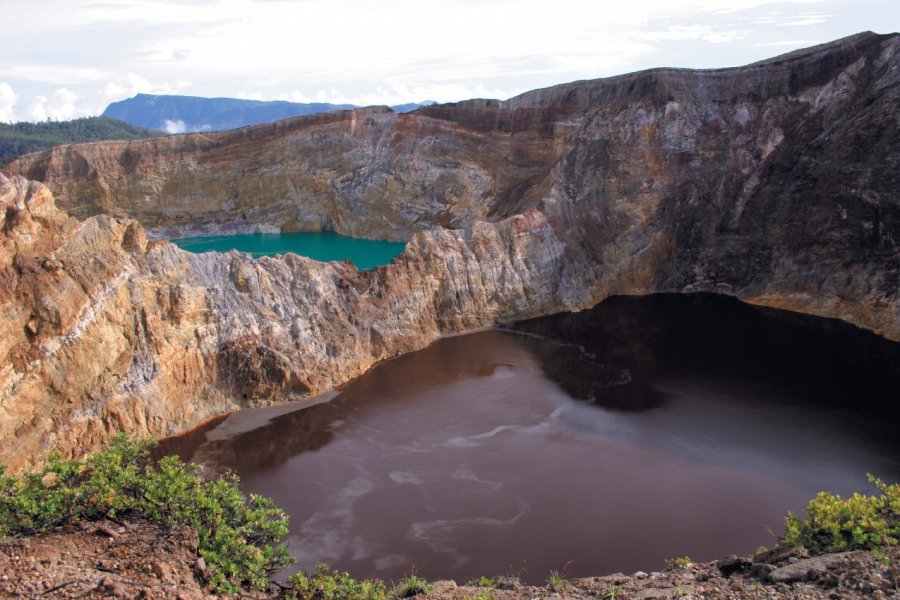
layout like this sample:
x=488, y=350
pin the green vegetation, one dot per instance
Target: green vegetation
x=556, y=581
x=328, y=584
x=510, y=581
x=239, y=534
x=858, y=523
x=677, y=563
x=236, y=532
x=21, y=138
x=482, y=582
x=411, y=586
x=612, y=592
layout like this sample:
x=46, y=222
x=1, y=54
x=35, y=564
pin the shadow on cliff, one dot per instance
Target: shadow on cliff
x=825, y=362
x=617, y=356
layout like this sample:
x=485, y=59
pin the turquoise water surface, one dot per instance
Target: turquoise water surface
x=324, y=246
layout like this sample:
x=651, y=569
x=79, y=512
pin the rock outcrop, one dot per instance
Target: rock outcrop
x=776, y=183
x=104, y=331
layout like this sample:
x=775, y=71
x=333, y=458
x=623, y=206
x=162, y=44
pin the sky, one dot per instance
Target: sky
x=62, y=59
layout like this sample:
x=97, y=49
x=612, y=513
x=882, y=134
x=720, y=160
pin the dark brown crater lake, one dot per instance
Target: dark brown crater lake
x=609, y=440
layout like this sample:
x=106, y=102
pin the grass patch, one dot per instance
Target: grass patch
x=510, y=581
x=328, y=584
x=611, y=593
x=411, y=586
x=482, y=581
x=557, y=581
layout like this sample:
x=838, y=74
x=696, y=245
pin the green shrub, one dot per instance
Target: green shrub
x=411, y=586
x=236, y=532
x=481, y=581
x=677, y=563
x=858, y=523
x=327, y=584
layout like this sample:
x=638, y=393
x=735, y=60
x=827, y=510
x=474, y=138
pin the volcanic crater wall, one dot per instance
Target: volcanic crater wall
x=776, y=183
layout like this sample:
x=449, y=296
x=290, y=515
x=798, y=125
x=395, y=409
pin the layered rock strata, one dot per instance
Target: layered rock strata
x=104, y=331
x=776, y=183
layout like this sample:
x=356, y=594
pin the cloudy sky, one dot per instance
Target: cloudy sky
x=61, y=59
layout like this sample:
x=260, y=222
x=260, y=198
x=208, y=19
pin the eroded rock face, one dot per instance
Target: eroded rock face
x=106, y=332
x=776, y=183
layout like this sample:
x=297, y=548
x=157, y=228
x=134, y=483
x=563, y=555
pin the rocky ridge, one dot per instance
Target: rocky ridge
x=775, y=183
x=107, y=332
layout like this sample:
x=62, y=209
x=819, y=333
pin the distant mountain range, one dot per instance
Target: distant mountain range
x=186, y=114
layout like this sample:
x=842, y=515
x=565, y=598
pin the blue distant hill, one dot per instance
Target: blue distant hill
x=186, y=114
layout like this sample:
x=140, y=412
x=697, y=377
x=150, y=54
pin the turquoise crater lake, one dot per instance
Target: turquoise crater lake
x=323, y=246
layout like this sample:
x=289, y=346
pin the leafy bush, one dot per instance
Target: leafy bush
x=328, y=584
x=858, y=523
x=236, y=532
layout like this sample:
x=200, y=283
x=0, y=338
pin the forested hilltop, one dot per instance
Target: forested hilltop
x=21, y=138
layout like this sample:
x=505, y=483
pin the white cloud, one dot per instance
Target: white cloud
x=399, y=93
x=135, y=84
x=795, y=43
x=292, y=96
x=54, y=74
x=779, y=19
x=362, y=52
x=38, y=109
x=8, y=100
x=704, y=33
x=174, y=126
x=61, y=106
x=259, y=96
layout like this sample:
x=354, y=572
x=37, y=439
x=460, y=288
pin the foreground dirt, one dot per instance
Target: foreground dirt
x=833, y=576
x=103, y=560
x=138, y=560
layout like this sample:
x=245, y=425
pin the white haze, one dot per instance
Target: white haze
x=66, y=58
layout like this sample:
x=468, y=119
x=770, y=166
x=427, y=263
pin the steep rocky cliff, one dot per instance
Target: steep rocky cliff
x=103, y=331
x=776, y=183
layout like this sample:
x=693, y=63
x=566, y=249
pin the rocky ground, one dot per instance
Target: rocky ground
x=769, y=576
x=103, y=560
x=127, y=560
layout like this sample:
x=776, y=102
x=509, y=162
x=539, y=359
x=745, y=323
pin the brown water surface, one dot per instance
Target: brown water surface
x=467, y=459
